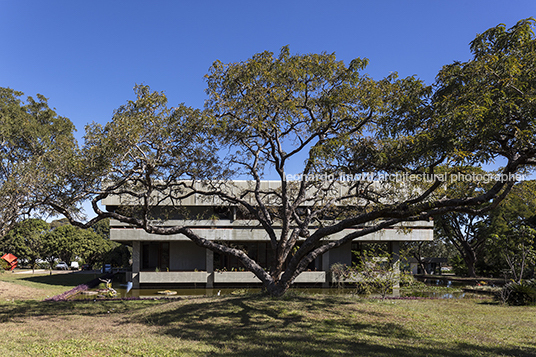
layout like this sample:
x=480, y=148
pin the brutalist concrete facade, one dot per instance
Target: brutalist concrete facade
x=174, y=259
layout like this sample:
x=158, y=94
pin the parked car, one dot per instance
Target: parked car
x=106, y=268
x=62, y=266
x=75, y=266
x=87, y=267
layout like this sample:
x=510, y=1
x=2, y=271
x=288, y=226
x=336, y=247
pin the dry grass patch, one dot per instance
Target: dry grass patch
x=12, y=291
x=39, y=286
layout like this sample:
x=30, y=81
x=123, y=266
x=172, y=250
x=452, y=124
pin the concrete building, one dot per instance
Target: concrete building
x=175, y=260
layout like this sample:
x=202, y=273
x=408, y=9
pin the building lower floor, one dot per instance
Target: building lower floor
x=175, y=260
x=183, y=263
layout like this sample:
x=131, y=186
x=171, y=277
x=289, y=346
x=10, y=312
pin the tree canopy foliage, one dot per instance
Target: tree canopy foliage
x=314, y=116
x=36, y=150
x=33, y=239
x=512, y=228
x=25, y=240
x=500, y=242
x=489, y=101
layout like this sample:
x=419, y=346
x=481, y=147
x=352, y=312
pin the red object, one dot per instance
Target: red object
x=10, y=259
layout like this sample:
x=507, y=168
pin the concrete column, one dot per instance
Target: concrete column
x=394, y=249
x=209, y=263
x=234, y=213
x=136, y=264
x=325, y=267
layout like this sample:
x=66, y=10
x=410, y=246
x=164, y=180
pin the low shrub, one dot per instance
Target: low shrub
x=458, y=266
x=339, y=272
x=518, y=294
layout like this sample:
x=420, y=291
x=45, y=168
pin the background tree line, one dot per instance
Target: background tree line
x=500, y=243
x=34, y=240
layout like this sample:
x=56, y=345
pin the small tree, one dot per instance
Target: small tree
x=375, y=273
x=25, y=240
x=61, y=243
x=518, y=250
x=339, y=273
x=467, y=233
x=513, y=225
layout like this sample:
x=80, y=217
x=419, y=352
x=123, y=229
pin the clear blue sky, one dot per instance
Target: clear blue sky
x=86, y=56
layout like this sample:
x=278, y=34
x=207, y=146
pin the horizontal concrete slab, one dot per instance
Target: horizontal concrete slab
x=173, y=277
x=311, y=277
x=235, y=277
x=257, y=234
x=220, y=277
x=244, y=189
x=242, y=223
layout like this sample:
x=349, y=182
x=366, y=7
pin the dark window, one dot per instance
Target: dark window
x=155, y=256
x=260, y=252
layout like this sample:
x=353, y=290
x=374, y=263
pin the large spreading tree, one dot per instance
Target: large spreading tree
x=301, y=118
x=36, y=150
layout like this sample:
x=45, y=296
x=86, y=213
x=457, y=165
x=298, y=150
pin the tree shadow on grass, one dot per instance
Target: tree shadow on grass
x=67, y=279
x=301, y=327
x=20, y=310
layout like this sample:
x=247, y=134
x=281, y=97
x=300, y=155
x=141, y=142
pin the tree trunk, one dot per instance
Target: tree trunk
x=423, y=267
x=278, y=289
x=469, y=257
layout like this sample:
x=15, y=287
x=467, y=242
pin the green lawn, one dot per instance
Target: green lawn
x=254, y=325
